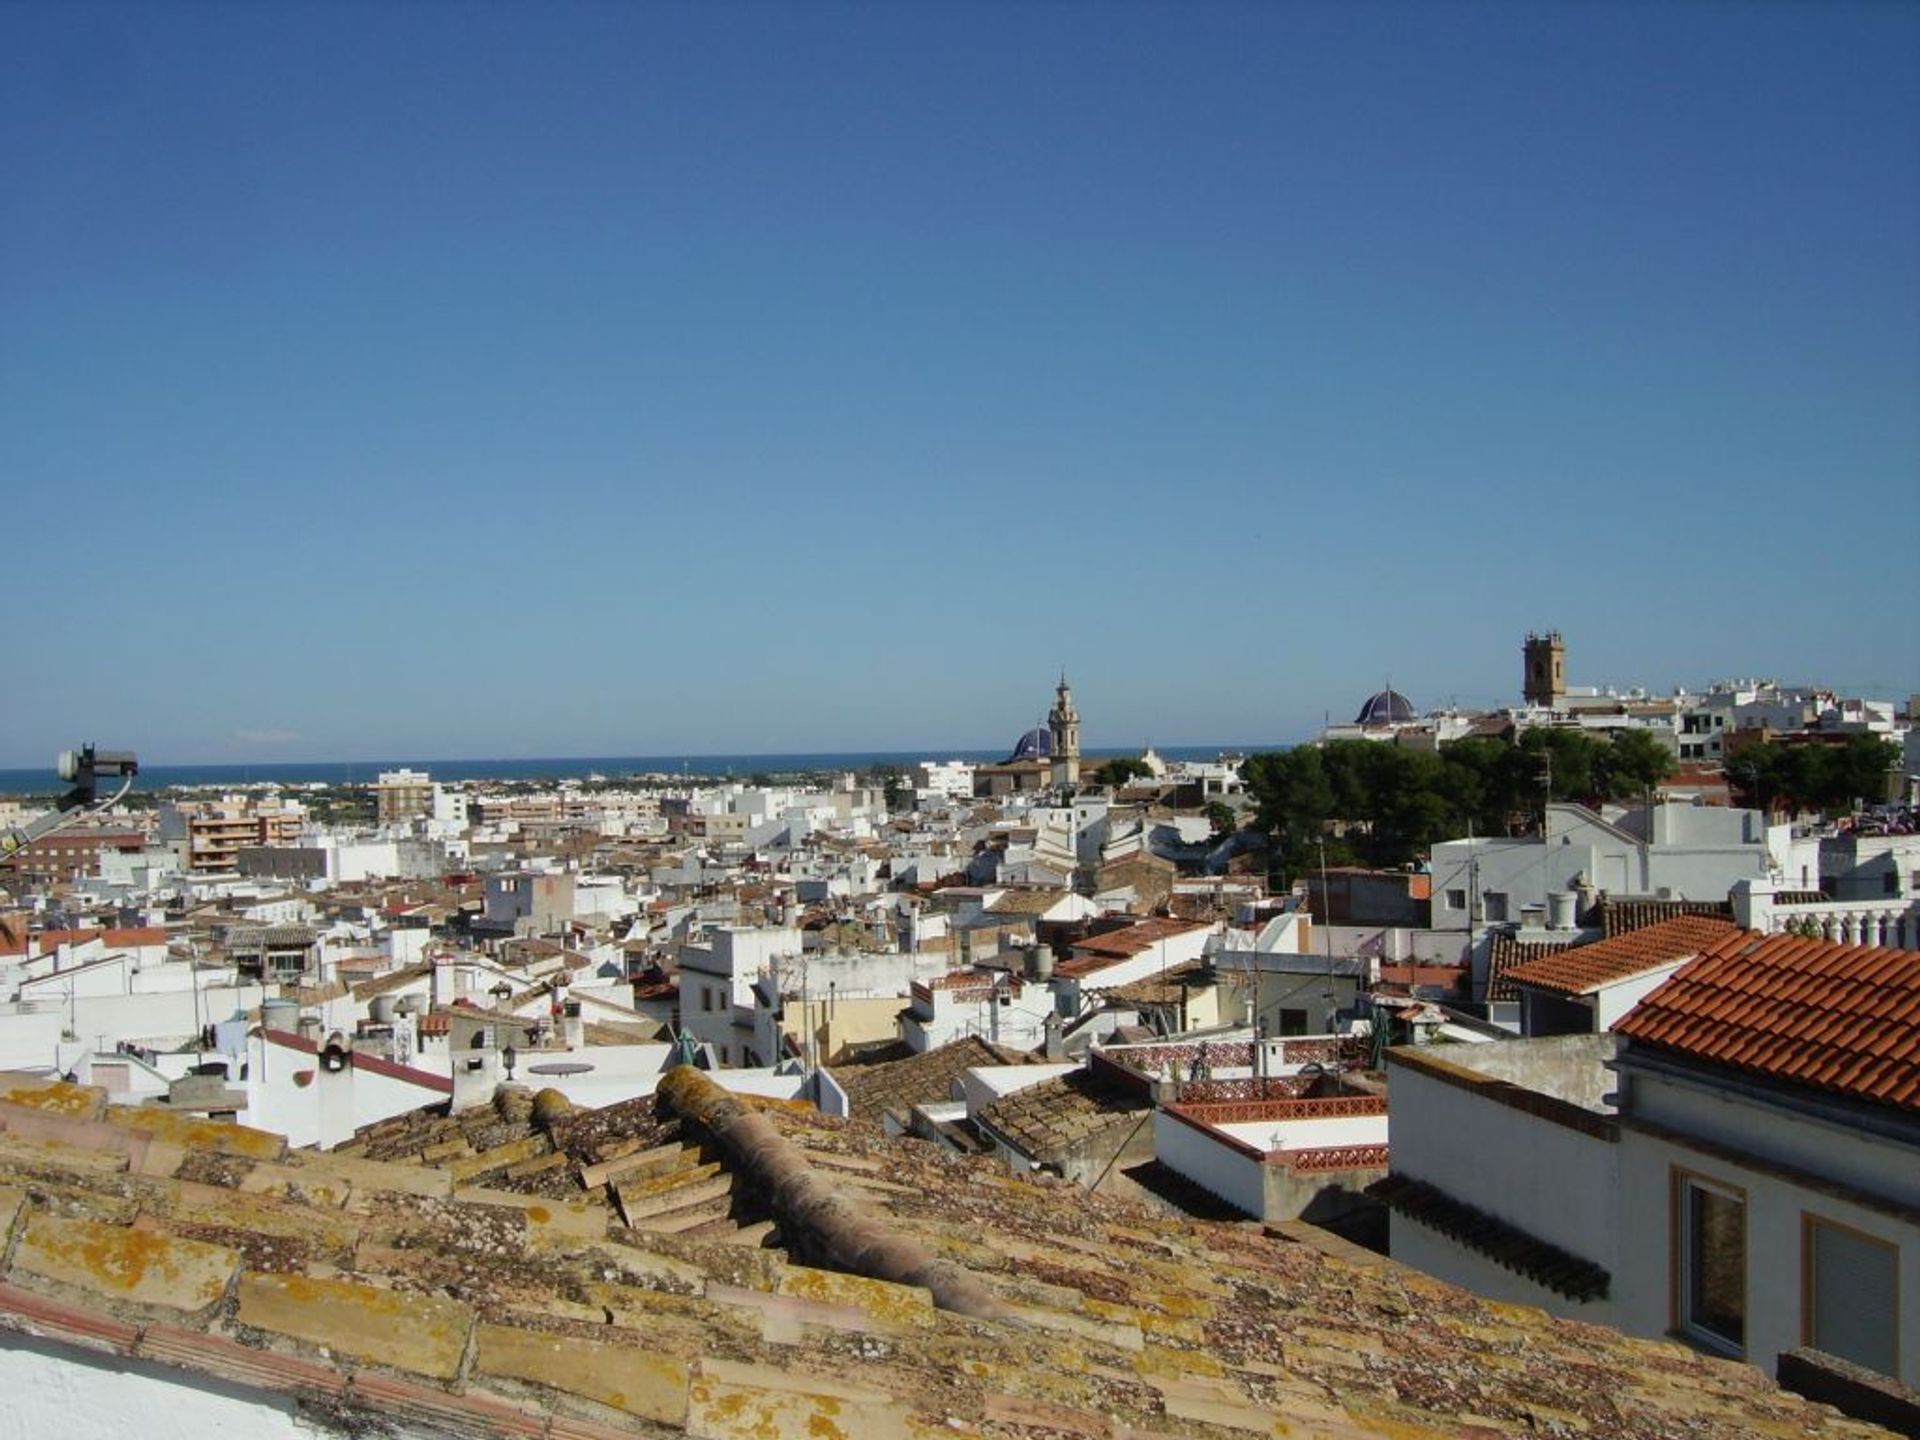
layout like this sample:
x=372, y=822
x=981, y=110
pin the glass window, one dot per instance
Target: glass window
x=1713, y=1263
x=1456, y=899
x=1850, y=1302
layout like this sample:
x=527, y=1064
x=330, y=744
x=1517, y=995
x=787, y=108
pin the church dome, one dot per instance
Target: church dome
x=1036, y=744
x=1389, y=707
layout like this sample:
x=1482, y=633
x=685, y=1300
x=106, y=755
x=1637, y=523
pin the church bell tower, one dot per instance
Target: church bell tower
x=1545, y=681
x=1064, y=723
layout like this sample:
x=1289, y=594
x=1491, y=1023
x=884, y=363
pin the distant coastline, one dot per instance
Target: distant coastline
x=611, y=767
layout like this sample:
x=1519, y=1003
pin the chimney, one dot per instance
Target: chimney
x=1055, y=1048
x=476, y=1070
x=334, y=1084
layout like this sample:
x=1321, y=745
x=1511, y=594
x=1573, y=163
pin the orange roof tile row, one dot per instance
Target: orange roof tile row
x=1582, y=969
x=1137, y=939
x=1839, y=1018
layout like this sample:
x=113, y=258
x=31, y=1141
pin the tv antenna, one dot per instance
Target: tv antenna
x=82, y=770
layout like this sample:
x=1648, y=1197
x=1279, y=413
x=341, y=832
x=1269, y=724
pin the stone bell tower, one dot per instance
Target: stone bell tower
x=1063, y=721
x=1546, y=669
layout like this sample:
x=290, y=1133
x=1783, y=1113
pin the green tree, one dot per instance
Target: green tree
x=1121, y=769
x=894, y=789
x=1830, y=779
x=1858, y=771
x=1293, y=801
x=1224, y=819
x=1634, y=762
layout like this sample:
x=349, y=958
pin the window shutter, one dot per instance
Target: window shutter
x=1853, y=1297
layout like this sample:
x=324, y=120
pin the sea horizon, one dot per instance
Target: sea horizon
x=43, y=781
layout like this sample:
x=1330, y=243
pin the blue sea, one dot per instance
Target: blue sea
x=578, y=767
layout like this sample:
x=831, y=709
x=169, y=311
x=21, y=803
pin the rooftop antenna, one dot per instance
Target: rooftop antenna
x=81, y=769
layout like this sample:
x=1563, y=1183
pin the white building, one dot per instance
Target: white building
x=997, y=1007
x=1746, y=1176
x=716, y=986
x=1682, y=852
x=948, y=779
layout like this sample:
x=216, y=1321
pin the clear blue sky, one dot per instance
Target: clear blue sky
x=634, y=379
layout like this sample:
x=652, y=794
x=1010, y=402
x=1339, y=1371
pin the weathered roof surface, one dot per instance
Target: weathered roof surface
x=1048, y=1121
x=526, y=1270
x=1504, y=953
x=1619, y=915
x=1027, y=902
x=873, y=1090
x=1135, y=939
x=1583, y=969
x=391, y=981
x=1839, y=1018
x=1169, y=988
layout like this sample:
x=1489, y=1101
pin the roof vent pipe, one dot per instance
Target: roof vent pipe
x=1561, y=909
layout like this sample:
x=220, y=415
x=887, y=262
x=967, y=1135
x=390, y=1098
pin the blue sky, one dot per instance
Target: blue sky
x=638, y=379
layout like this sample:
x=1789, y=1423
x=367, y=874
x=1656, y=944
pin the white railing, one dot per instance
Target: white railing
x=1890, y=924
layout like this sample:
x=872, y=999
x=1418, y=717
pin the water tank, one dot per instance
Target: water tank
x=1561, y=911
x=1040, y=963
x=381, y=1010
x=1532, y=917
x=280, y=1014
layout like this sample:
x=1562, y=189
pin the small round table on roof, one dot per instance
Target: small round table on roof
x=560, y=1067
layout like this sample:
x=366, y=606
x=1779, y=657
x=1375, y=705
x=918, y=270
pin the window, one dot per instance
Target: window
x=1456, y=899
x=1493, y=906
x=1711, y=1256
x=1849, y=1303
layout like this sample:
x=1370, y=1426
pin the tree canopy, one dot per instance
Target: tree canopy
x=1828, y=778
x=1121, y=769
x=1384, y=804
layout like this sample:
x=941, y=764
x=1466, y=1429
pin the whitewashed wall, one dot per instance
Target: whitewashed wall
x=1221, y=1170
x=1555, y=1183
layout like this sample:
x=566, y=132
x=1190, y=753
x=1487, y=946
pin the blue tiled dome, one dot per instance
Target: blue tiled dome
x=1036, y=744
x=1389, y=707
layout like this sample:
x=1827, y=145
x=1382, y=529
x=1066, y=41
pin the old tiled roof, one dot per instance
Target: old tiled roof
x=1130, y=940
x=523, y=1269
x=1046, y=1122
x=1583, y=969
x=1618, y=915
x=620, y=1032
x=1839, y=1018
x=922, y=1079
x=393, y=980
x=1027, y=902
x=1504, y=952
x=1165, y=989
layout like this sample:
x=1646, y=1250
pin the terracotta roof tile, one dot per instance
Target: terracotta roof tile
x=1619, y=915
x=1583, y=969
x=1840, y=1018
x=1504, y=953
x=922, y=1079
x=627, y=1280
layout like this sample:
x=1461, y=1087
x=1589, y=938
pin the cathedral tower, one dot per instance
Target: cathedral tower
x=1546, y=669
x=1063, y=722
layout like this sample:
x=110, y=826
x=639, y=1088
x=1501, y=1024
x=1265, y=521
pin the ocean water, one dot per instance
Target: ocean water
x=577, y=767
